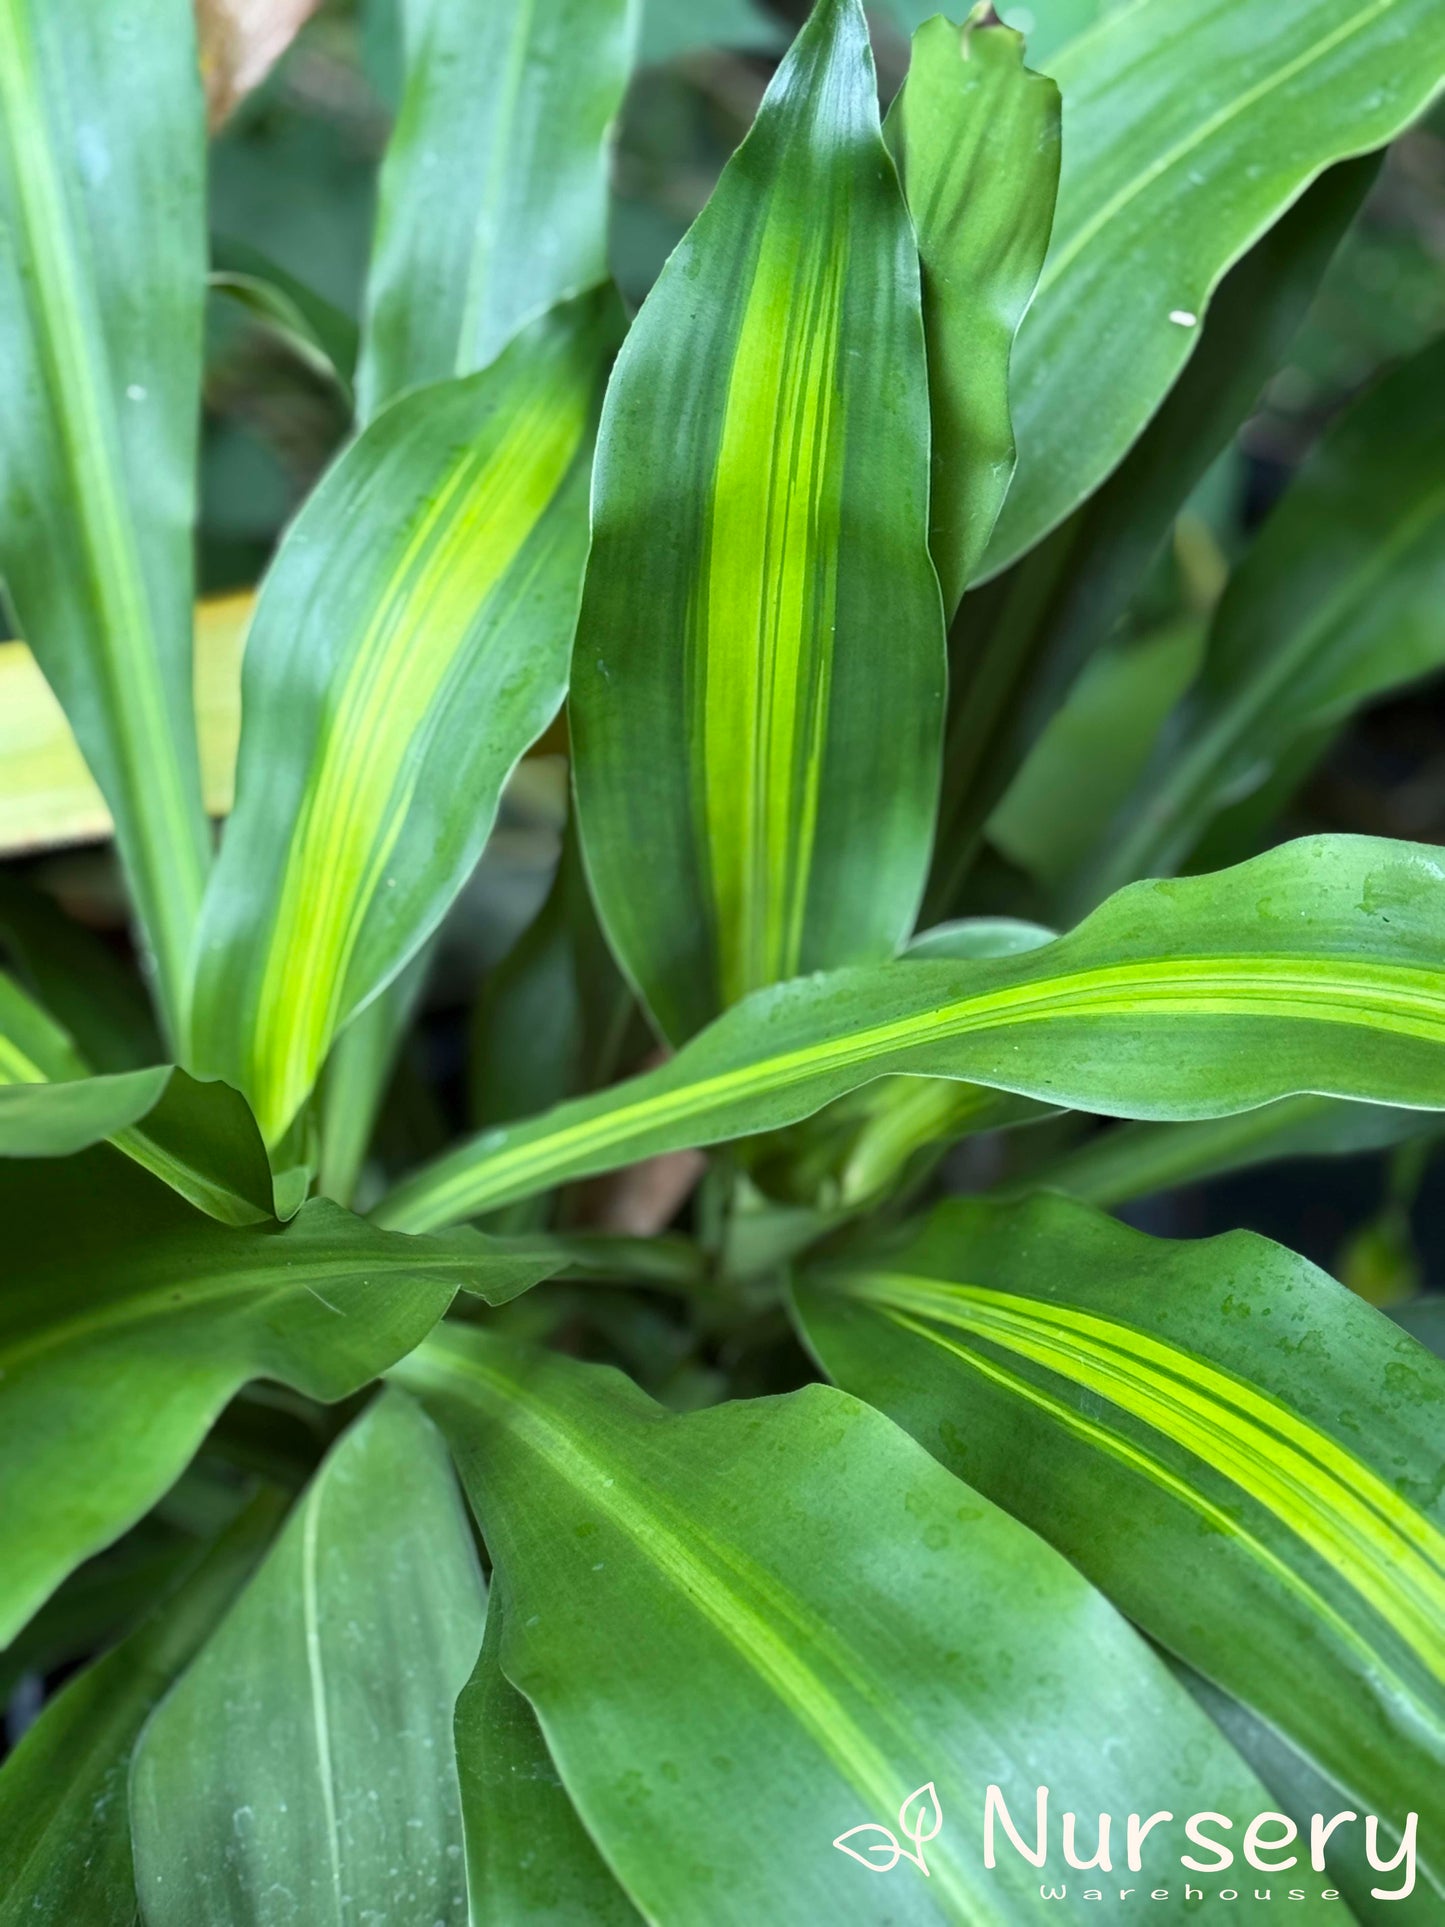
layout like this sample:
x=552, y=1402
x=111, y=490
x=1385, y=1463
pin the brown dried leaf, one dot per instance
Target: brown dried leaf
x=241, y=41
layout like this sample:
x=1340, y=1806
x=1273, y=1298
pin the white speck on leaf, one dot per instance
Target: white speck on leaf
x=1182, y=318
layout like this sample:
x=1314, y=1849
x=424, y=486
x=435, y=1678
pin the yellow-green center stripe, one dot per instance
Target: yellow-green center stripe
x=1397, y=999
x=1389, y=1553
x=763, y=618
x=483, y=511
x=716, y=1580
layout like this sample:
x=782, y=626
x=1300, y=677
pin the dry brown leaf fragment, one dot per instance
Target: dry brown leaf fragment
x=240, y=42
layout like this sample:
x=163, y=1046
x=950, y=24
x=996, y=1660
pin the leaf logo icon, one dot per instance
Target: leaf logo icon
x=878, y=1848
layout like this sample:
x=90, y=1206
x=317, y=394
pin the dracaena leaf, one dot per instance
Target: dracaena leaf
x=794, y=1574
x=65, y=1847
x=1190, y=130
x=333, y=1679
x=102, y=279
x=976, y=139
x=199, y=1138
x=1314, y=967
x=757, y=761
x=1219, y=1409
x=494, y=188
x=528, y=1855
x=131, y=1320
x=409, y=643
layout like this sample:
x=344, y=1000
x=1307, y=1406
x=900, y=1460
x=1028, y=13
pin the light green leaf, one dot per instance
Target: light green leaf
x=129, y=1321
x=841, y=1620
x=333, y=1680
x=976, y=139
x=1190, y=130
x=1018, y=644
x=1218, y=1408
x=410, y=641
x=356, y=1078
x=1317, y=966
x=1340, y=599
x=102, y=281
x=494, y=189
x=529, y=1858
x=1134, y=1160
x=756, y=764
x=65, y=1852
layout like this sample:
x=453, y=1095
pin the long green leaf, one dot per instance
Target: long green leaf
x=1135, y=1160
x=1191, y=128
x=333, y=1679
x=841, y=1621
x=529, y=1858
x=1017, y=646
x=757, y=761
x=1315, y=967
x=129, y=1321
x=1218, y=1408
x=1339, y=600
x=494, y=189
x=976, y=139
x=410, y=642
x=102, y=280
x=65, y=1851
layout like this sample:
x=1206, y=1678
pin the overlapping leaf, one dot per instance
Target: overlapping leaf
x=528, y=1855
x=129, y=1321
x=102, y=278
x=65, y=1848
x=976, y=139
x=837, y=1618
x=1190, y=130
x=1219, y=1409
x=756, y=759
x=410, y=642
x=333, y=1679
x=494, y=188
x=1317, y=967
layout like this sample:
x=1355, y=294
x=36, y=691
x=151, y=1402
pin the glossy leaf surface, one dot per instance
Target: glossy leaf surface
x=410, y=642
x=756, y=763
x=833, y=1611
x=334, y=1678
x=528, y=1855
x=102, y=277
x=494, y=189
x=1338, y=600
x=65, y=1851
x=976, y=139
x=1218, y=1408
x=1191, y=128
x=130, y=1321
x=1314, y=967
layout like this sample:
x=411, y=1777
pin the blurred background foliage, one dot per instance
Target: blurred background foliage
x=293, y=193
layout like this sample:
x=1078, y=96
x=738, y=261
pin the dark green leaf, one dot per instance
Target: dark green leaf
x=333, y=1682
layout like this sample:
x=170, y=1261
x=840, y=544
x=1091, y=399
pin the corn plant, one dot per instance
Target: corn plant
x=729, y=1465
